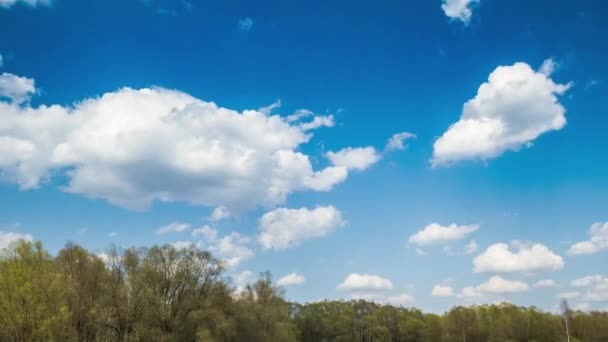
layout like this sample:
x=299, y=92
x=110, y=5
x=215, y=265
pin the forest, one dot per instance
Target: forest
x=162, y=293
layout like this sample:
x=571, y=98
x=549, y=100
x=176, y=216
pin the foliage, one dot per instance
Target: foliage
x=167, y=294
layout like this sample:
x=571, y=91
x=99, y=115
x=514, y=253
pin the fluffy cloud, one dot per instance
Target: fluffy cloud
x=397, y=141
x=232, y=248
x=283, y=228
x=33, y=3
x=206, y=232
x=529, y=258
x=365, y=282
x=219, y=214
x=442, y=291
x=596, y=287
x=359, y=158
x=400, y=299
x=510, y=110
x=17, y=89
x=495, y=285
x=132, y=147
x=434, y=233
x=175, y=227
x=291, y=279
x=543, y=283
x=6, y=238
x=597, y=243
x=458, y=9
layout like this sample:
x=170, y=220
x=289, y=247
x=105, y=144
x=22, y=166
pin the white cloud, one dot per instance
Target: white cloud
x=133, y=147
x=569, y=295
x=354, y=158
x=458, y=9
x=529, y=258
x=283, y=228
x=510, y=110
x=33, y=3
x=548, y=67
x=471, y=247
x=206, y=232
x=17, y=89
x=397, y=141
x=495, y=285
x=597, y=243
x=318, y=122
x=299, y=114
x=434, y=233
x=174, y=227
x=400, y=299
x=442, y=291
x=543, y=283
x=365, y=282
x=291, y=279
x=6, y=238
x=596, y=287
x=245, y=24
x=232, y=249
x=219, y=214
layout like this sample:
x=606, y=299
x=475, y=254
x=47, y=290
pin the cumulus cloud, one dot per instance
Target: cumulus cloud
x=133, y=147
x=597, y=243
x=365, y=282
x=513, y=108
x=6, y=238
x=33, y=3
x=458, y=9
x=596, y=287
x=400, y=299
x=206, y=232
x=284, y=228
x=219, y=213
x=16, y=88
x=442, y=291
x=434, y=233
x=527, y=258
x=544, y=283
x=233, y=248
x=291, y=279
x=354, y=158
x=174, y=227
x=397, y=141
x=495, y=285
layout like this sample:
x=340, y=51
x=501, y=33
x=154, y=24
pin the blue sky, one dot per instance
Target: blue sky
x=506, y=101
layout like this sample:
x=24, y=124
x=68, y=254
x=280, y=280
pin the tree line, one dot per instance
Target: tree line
x=166, y=294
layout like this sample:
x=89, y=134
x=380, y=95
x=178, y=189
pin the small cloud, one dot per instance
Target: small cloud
x=175, y=227
x=82, y=231
x=291, y=279
x=458, y=9
x=598, y=241
x=434, y=233
x=219, y=214
x=245, y=24
x=590, y=84
x=471, y=247
x=112, y=234
x=545, y=283
x=548, y=66
x=397, y=141
x=420, y=252
x=442, y=291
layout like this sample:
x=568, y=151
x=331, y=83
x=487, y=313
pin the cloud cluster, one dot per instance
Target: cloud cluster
x=132, y=147
x=495, y=285
x=435, y=233
x=527, y=258
x=33, y=3
x=597, y=243
x=283, y=228
x=515, y=106
x=6, y=238
x=458, y=9
x=16, y=88
x=291, y=279
x=595, y=286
